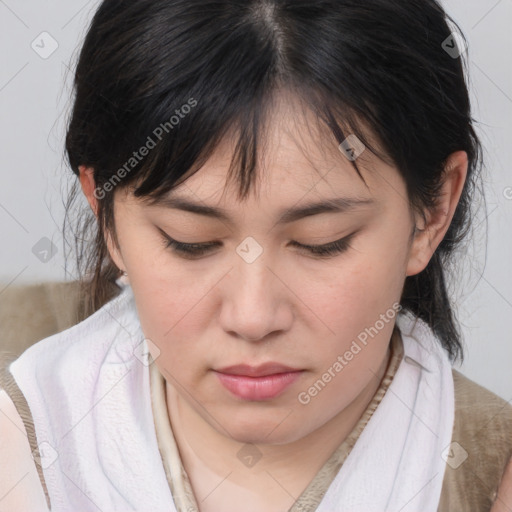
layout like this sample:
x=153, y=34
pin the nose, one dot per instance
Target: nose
x=256, y=303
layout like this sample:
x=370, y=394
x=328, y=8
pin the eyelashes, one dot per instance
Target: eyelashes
x=190, y=250
x=197, y=250
x=330, y=249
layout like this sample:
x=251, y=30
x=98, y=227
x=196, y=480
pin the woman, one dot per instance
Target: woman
x=277, y=189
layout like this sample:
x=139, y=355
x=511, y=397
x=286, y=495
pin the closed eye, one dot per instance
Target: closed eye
x=330, y=249
x=194, y=251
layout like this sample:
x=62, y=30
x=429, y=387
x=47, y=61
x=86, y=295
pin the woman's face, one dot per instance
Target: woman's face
x=256, y=297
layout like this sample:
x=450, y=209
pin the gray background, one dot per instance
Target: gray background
x=34, y=103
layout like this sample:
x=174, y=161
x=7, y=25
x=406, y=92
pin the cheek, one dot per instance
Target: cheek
x=351, y=294
x=174, y=313
x=357, y=301
x=166, y=290
x=358, y=310
x=168, y=315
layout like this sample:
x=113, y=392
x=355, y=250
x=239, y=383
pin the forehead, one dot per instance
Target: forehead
x=298, y=158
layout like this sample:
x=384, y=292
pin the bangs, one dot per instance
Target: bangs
x=199, y=134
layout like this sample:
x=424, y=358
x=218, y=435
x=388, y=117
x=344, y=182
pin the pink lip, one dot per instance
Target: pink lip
x=258, y=388
x=262, y=370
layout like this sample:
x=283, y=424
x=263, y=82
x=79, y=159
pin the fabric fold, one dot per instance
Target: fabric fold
x=397, y=463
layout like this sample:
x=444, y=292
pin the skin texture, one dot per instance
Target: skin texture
x=286, y=306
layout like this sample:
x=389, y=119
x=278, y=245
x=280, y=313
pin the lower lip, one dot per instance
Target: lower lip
x=258, y=388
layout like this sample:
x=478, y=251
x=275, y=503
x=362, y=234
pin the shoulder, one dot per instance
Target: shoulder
x=20, y=485
x=481, y=447
x=60, y=361
x=481, y=416
x=471, y=394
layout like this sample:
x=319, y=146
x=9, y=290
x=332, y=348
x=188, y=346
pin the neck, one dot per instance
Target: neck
x=210, y=457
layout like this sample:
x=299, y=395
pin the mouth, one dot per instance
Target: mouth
x=262, y=370
x=257, y=383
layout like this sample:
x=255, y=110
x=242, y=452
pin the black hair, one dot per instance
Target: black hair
x=177, y=76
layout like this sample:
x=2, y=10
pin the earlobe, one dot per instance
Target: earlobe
x=419, y=253
x=431, y=232
x=88, y=186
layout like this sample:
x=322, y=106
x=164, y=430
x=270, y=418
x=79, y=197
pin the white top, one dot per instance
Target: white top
x=88, y=389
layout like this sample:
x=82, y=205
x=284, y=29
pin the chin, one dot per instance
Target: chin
x=270, y=427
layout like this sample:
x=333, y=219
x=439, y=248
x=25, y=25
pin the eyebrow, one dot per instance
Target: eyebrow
x=286, y=216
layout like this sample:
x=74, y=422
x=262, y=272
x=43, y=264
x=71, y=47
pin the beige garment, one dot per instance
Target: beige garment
x=482, y=432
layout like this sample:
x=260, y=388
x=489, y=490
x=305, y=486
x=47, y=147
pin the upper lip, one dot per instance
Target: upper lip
x=262, y=370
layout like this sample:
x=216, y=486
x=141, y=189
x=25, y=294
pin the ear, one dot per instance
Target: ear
x=89, y=187
x=431, y=232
